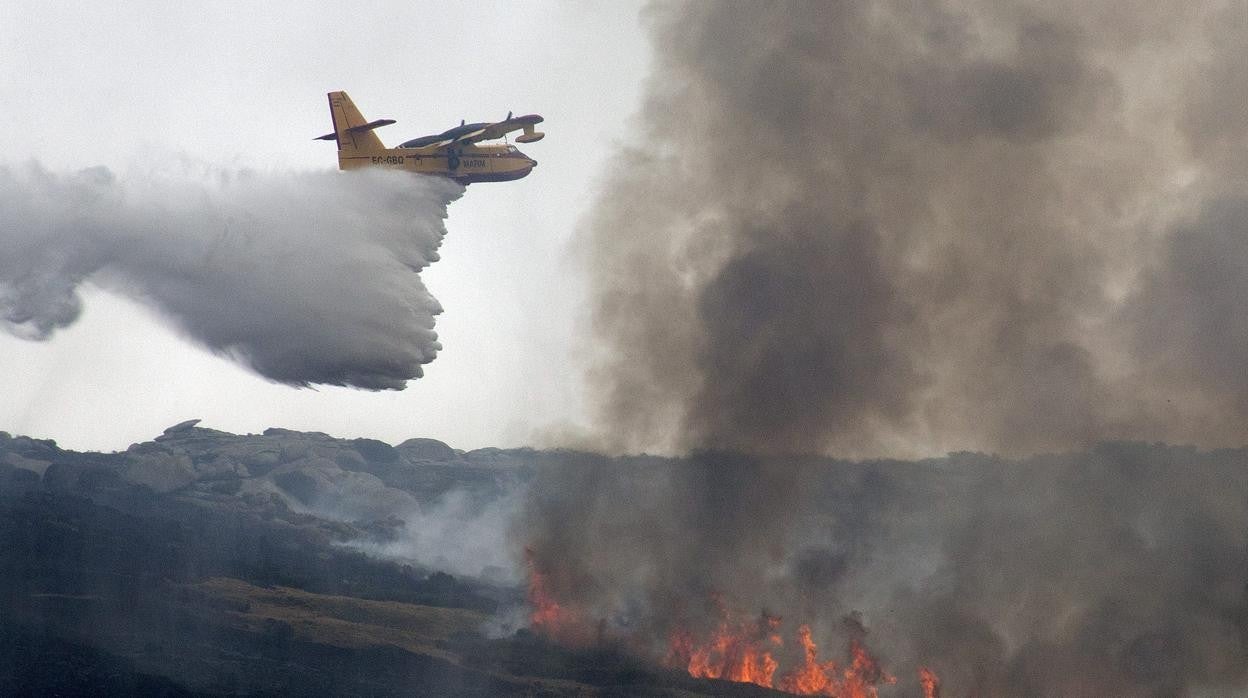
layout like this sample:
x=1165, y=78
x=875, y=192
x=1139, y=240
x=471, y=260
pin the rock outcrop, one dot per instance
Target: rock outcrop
x=355, y=487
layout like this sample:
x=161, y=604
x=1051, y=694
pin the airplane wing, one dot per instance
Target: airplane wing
x=472, y=133
x=470, y=137
x=506, y=126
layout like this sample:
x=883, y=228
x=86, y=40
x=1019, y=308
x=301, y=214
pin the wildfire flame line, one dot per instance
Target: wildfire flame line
x=742, y=652
x=733, y=653
x=739, y=651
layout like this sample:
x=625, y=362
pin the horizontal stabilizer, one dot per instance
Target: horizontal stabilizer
x=357, y=129
x=371, y=125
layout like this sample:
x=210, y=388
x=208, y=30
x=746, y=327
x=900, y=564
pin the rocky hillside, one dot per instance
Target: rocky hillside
x=208, y=563
x=288, y=563
x=361, y=478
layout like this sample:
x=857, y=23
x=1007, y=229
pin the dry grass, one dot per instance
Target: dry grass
x=342, y=621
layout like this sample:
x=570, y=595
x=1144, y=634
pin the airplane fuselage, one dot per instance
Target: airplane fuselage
x=456, y=153
x=467, y=164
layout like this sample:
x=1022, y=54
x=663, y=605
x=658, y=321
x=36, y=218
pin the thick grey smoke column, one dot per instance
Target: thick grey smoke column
x=907, y=228
x=304, y=277
x=896, y=228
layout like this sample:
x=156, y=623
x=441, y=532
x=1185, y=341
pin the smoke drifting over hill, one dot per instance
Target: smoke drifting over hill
x=1120, y=571
x=304, y=277
x=898, y=228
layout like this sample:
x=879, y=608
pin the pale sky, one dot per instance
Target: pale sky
x=236, y=84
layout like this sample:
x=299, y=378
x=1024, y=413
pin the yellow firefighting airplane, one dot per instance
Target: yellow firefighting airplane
x=452, y=153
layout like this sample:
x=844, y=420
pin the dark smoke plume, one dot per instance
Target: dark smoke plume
x=895, y=228
x=905, y=228
x=304, y=277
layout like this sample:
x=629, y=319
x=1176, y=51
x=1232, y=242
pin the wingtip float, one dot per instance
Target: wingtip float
x=456, y=153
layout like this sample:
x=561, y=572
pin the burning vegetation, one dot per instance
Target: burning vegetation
x=745, y=653
x=735, y=648
x=930, y=683
x=738, y=651
x=547, y=616
x=976, y=575
x=883, y=229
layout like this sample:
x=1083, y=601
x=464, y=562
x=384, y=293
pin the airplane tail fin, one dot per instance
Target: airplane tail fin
x=353, y=133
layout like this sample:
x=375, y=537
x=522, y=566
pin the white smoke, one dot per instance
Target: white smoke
x=459, y=535
x=305, y=277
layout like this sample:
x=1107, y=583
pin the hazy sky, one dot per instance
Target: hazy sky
x=240, y=85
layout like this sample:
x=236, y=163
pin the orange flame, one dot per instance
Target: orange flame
x=815, y=678
x=546, y=616
x=734, y=652
x=740, y=652
x=551, y=619
x=930, y=683
x=864, y=673
x=812, y=678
